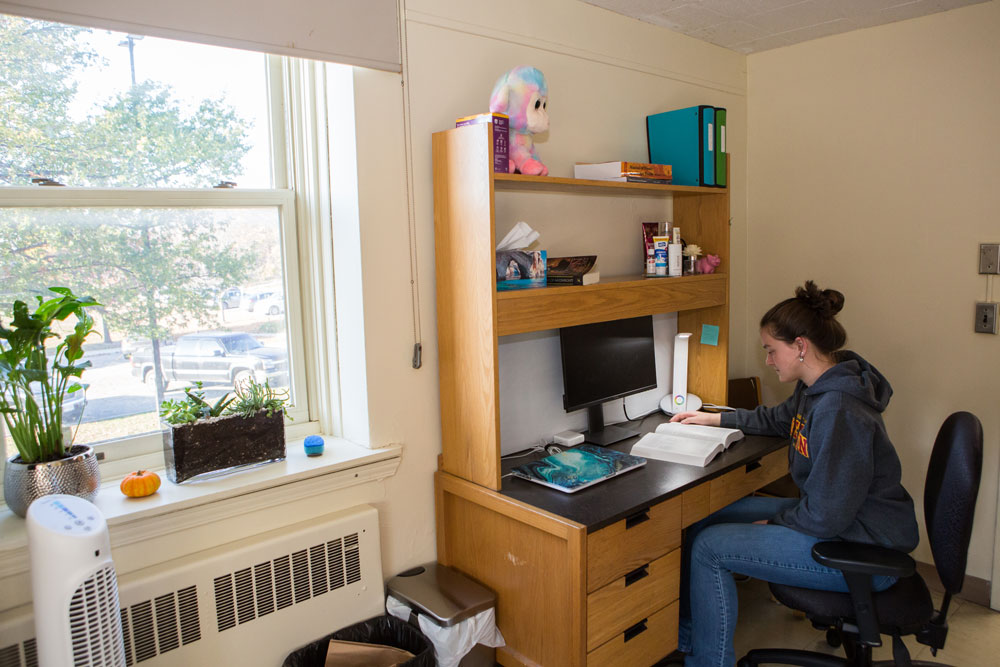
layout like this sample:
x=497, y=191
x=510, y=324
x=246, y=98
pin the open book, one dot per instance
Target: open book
x=691, y=444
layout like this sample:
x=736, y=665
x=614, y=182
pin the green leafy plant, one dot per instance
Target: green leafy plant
x=193, y=407
x=252, y=397
x=33, y=385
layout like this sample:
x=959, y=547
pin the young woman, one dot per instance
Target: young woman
x=841, y=459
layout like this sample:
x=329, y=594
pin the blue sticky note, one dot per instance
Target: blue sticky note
x=709, y=334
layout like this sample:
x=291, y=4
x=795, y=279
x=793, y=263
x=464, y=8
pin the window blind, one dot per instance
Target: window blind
x=352, y=32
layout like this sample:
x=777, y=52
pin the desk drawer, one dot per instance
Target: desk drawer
x=631, y=598
x=643, y=643
x=740, y=482
x=634, y=541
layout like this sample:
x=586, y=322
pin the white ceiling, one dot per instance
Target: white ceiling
x=749, y=26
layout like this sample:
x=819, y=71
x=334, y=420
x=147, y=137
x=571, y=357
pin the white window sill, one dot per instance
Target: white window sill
x=181, y=506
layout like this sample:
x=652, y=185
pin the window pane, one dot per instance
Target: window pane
x=88, y=107
x=201, y=287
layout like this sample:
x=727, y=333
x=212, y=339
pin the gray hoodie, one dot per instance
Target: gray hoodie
x=841, y=458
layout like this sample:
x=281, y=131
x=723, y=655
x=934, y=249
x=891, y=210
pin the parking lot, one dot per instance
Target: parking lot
x=120, y=404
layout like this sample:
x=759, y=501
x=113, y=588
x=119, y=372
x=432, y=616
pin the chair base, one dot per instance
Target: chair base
x=786, y=656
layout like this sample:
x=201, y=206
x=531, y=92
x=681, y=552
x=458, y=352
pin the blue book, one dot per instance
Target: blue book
x=578, y=468
x=684, y=139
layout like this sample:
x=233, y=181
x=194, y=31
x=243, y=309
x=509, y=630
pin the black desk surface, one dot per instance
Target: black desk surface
x=614, y=499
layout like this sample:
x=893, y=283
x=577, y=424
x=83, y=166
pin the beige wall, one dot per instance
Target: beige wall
x=872, y=169
x=605, y=73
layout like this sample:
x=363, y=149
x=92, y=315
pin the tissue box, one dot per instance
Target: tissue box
x=520, y=269
x=501, y=137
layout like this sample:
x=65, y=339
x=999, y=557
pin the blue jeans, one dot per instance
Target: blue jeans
x=728, y=542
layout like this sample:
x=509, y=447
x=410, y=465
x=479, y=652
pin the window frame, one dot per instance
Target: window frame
x=140, y=447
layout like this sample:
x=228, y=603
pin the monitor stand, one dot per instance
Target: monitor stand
x=599, y=434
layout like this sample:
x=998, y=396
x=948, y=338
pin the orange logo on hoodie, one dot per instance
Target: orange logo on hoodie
x=798, y=440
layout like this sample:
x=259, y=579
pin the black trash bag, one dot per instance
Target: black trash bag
x=386, y=630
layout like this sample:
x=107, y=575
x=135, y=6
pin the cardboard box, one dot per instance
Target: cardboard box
x=501, y=137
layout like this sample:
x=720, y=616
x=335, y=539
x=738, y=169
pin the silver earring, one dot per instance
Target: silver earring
x=801, y=358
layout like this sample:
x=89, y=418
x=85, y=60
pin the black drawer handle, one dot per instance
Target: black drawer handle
x=636, y=630
x=638, y=574
x=642, y=516
x=753, y=465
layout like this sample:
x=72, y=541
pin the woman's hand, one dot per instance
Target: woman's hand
x=704, y=418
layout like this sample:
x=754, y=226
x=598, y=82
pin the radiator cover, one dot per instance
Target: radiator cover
x=250, y=602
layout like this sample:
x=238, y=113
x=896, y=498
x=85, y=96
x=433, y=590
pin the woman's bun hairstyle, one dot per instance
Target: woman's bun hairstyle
x=811, y=314
x=825, y=303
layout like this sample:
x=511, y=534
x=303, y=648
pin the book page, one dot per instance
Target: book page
x=715, y=434
x=692, y=451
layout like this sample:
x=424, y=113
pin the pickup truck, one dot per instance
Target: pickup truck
x=218, y=357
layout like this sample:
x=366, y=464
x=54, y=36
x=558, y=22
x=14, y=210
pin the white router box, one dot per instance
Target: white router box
x=679, y=400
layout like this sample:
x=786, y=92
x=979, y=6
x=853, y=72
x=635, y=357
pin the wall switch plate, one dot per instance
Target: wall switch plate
x=989, y=257
x=986, y=317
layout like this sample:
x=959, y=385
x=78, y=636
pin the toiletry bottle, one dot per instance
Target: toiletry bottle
x=660, y=245
x=675, y=258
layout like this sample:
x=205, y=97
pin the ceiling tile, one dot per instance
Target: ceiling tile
x=810, y=12
x=819, y=30
x=687, y=18
x=638, y=8
x=729, y=34
x=762, y=44
x=724, y=22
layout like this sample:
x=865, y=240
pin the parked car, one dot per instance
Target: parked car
x=231, y=298
x=215, y=357
x=271, y=304
x=72, y=405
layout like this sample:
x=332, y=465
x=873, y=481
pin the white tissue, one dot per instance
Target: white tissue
x=520, y=237
x=452, y=643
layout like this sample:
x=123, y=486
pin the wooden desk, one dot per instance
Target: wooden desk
x=591, y=578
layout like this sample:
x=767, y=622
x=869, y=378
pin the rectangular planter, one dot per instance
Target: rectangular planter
x=221, y=445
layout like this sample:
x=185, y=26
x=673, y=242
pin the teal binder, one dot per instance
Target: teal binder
x=684, y=139
x=721, y=156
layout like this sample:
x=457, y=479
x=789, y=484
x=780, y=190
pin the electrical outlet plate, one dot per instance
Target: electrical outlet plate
x=989, y=258
x=986, y=317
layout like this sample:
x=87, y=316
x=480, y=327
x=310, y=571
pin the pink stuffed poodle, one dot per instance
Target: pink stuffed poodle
x=522, y=94
x=707, y=264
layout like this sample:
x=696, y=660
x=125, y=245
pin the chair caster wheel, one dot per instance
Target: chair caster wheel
x=833, y=638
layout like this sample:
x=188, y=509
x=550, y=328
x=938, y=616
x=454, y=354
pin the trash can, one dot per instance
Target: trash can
x=447, y=598
x=382, y=630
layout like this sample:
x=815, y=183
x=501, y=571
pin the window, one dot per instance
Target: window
x=171, y=217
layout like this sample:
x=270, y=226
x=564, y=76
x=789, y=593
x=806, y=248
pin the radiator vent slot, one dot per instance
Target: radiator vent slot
x=187, y=603
x=154, y=627
x=10, y=656
x=252, y=592
x=166, y=623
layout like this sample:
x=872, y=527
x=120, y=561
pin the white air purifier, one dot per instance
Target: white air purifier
x=73, y=583
x=679, y=400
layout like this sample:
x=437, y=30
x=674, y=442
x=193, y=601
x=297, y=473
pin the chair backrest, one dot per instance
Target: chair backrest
x=950, y=495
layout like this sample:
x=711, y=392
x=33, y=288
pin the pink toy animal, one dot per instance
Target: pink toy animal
x=523, y=95
x=707, y=264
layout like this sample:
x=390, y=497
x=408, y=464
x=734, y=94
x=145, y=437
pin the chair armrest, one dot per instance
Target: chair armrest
x=863, y=559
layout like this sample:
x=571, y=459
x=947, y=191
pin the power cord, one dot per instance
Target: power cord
x=640, y=417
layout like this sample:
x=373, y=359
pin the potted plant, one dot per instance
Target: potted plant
x=203, y=439
x=34, y=383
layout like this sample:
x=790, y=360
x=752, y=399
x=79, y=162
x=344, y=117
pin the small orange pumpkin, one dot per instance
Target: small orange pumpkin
x=140, y=483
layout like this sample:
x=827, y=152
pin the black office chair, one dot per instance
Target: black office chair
x=858, y=618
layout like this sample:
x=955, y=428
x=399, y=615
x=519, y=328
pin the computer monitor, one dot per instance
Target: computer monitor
x=602, y=362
